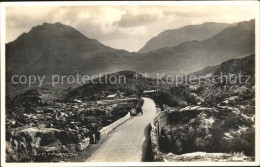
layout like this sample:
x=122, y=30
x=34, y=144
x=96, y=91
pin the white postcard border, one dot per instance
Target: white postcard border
x=130, y=3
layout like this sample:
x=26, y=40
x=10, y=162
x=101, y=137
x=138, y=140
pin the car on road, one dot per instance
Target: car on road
x=138, y=108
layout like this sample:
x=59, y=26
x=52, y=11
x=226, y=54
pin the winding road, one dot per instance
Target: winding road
x=127, y=143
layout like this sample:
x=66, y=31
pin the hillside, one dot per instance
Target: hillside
x=206, y=118
x=127, y=84
x=233, y=42
x=244, y=66
x=170, y=38
x=61, y=49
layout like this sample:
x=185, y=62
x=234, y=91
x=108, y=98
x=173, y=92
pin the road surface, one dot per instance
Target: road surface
x=127, y=143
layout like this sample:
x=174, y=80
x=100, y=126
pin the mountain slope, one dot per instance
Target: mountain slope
x=243, y=66
x=174, y=37
x=129, y=84
x=233, y=42
x=60, y=49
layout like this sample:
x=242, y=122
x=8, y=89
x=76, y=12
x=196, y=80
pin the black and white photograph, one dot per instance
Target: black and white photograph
x=157, y=83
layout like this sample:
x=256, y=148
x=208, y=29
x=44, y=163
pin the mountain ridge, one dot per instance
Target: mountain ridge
x=56, y=48
x=173, y=37
x=61, y=49
x=232, y=42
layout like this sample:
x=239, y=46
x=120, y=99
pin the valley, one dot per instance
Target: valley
x=207, y=114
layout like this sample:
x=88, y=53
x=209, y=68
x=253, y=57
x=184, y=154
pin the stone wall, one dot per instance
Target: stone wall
x=157, y=155
x=84, y=143
x=115, y=124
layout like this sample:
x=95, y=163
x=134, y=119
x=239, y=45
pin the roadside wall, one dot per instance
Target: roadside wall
x=107, y=129
x=84, y=143
x=157, y=155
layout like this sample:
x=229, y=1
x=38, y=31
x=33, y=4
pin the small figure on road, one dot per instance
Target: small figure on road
x=94, y=134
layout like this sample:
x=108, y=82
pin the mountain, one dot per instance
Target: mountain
x=233, y=42
x=175, y=37
x=244, y=66
x=60, y=49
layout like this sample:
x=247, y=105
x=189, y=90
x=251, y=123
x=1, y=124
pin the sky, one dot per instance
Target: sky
x=122, y=27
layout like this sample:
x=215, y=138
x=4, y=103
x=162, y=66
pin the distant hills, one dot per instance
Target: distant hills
x=245, y=66
x=232, y=42
x=170, y=38
x=60, y=49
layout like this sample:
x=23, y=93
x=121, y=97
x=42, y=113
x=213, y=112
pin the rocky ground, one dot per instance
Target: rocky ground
x=214, y=117
x=210, y=119
x=39, y=131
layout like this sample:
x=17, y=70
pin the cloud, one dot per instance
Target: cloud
x=122, y=27
x=129, y=20
x=212, y=11
x=18, y=21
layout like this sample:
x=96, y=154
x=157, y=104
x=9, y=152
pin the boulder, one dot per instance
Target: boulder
x=85, y=130
x=67, y=136
x=64, y=149
x=9, y=149
x=234, y=99
x=244, y=91
x=79, y=147
x=71, y=148
x=15, y=145
x=49, y=110
x=182, y=103
x=37, y=142
x=83, y=144
x=22, y=147
x=47, y=138
x=49, y=149
x=77, y=101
